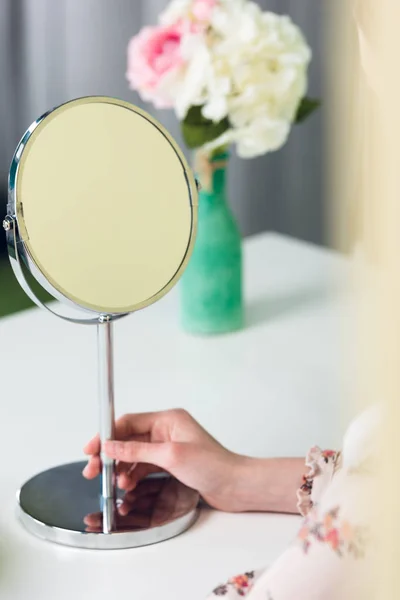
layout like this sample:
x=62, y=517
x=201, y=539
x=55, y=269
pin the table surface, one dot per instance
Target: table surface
x=273, y=389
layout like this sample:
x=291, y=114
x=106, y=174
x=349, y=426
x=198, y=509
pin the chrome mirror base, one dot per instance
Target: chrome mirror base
x=60, y=506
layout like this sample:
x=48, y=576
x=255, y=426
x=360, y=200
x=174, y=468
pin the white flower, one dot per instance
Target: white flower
x=244, y=64
x=260, y=136
x=216, y=106
x=191, y=91
x=216, y=109
x=241, y=14
x=265, y=58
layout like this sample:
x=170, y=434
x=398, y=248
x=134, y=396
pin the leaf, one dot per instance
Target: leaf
x=198, y=131
x=306, y=108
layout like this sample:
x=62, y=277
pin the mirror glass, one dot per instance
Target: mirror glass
x=105, y=205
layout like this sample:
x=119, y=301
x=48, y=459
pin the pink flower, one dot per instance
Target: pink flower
x=333, y=539
x=154, y=56
x=202, y=9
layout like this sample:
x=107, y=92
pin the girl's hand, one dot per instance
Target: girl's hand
x=169, y=441
x=174, y=442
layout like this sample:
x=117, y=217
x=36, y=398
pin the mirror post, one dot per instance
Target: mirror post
x=107, y=419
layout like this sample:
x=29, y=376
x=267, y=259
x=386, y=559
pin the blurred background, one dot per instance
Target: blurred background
x=54, y=50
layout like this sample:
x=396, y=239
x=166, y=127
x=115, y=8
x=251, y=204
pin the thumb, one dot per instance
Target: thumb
x=159, y=454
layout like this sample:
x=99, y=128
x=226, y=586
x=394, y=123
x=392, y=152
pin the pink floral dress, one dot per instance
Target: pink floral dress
x=333, y=555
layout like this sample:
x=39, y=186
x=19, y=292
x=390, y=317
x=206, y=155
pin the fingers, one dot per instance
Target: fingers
x=135, y=424
x=124, y=467
x=93, y=447
x=143, y=499
x=93, y=468
x=139, y=427
x=141, y=472
x=148, y=487
x=163, y=455
x=128, y=480
x=142, y=424
x=126, y=427
x=128, y=475
x=124, y=474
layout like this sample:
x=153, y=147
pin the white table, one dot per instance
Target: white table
x=272, y=389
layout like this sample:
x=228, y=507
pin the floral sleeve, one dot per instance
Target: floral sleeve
x=331, y=554
x=237, y=587
x=322, y=465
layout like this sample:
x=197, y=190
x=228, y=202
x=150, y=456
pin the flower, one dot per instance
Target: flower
x=255, y=139
x=245, y=68
x=221, y=590
x=333, y=539
x=154, y=62
x=264, y=57
x=242, y=583
x=329, y=528
x=198, y=60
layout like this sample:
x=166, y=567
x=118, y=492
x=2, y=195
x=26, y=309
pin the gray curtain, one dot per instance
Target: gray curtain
x=54, y=50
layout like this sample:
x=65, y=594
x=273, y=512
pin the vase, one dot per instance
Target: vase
x=211, y=287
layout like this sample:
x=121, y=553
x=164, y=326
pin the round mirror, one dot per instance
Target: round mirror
x=105, y=205
x=102, y=211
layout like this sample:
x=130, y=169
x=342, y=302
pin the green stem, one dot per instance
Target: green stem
x=220, y=150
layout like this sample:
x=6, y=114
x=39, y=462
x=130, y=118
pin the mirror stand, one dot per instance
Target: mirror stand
x=100, y=154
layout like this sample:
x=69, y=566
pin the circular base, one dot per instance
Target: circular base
x=60, y=506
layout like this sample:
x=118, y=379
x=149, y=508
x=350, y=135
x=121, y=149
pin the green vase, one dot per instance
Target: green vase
x=211, y=287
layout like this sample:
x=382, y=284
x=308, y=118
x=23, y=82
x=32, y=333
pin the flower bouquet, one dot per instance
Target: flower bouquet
x=235, y=76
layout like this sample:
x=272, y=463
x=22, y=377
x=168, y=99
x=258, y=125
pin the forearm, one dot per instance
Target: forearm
x=268, y=484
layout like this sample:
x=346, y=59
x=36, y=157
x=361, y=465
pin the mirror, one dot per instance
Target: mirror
x=103, y=212
x=105, y=205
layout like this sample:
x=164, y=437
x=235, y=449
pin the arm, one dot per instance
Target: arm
x=268, y=484
x=174, y=442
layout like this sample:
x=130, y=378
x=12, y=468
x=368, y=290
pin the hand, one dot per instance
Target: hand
x=170, y=441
